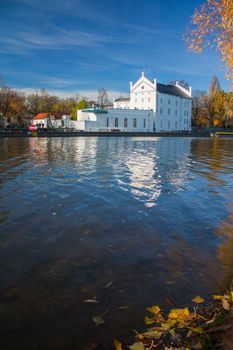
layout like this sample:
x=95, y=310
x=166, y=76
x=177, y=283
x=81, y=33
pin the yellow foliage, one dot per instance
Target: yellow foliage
x=198, y=300
x=154, y=309
x=179, y=314
x=212, y=24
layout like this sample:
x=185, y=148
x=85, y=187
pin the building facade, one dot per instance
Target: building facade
x=151, y=107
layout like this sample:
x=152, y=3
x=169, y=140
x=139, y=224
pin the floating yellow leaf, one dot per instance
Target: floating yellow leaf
x=179, y=314
x=149, y=320
x=155, y=310
x=218, y=297
x=165, y=326
x=137, y=346
x=198, y=300
x=117, y=344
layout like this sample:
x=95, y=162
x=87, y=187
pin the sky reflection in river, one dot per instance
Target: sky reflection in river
x=79, y=213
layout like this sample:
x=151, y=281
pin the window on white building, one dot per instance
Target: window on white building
x=161, y=111
x=142, y=99
x=176, y=103
x=176, y=112
x=168, y=124
x=161, y=100
x=135, y=100
x=148, y=99
x=169, y=101
x=134, y=122
x=116, y=122
x=107, y=123
x=169, y=111
x=144, y=124
x=125, y=122
x=176, y=125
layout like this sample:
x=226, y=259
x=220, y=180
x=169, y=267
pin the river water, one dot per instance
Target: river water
x=128, y=222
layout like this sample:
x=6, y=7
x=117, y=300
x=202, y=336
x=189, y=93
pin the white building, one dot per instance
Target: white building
x=151, y=107
x=126, y=120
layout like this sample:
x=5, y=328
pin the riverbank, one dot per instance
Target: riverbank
x=207, y=325
x=71, y=133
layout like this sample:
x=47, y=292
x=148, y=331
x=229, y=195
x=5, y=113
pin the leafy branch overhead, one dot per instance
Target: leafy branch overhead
x=212, y=26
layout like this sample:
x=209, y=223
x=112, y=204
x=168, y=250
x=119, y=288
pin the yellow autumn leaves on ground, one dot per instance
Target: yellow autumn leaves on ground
x=184, y=329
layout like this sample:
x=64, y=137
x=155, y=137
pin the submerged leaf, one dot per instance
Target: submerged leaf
x=198, y=300
x=108, y=284
x=98, y=320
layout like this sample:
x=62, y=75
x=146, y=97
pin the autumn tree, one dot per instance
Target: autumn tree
x=212, y=25
x=213, y=98
x=64, y=106
x=228, y=104
x=12, y=104
x=41, y=101
x=197, y=104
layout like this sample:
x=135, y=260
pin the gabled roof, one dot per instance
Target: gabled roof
x=46, y=115
x=122, y=99
x=171, y=90
x=40, y=116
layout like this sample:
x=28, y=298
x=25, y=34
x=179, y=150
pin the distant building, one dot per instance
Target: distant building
x=55, y=120
x=151, y=107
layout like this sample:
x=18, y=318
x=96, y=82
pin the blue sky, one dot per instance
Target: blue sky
x=77, y=46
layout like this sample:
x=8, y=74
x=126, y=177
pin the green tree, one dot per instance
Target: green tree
x=82, y=104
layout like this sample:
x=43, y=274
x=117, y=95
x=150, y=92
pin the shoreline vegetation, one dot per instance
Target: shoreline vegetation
x=207, y=325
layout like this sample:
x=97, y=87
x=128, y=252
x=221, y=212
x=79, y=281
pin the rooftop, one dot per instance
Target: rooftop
x=171, y=90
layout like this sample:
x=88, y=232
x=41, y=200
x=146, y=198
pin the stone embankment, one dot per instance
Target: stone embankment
x=75, y=133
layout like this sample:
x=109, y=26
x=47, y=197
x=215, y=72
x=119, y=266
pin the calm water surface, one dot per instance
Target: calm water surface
x=131, y=222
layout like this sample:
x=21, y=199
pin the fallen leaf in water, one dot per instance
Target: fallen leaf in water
x=137, y=346
x=154, y=309
x=98, y=320
x=117, y=344
x=149, y=320
x=198, y=300
x=152, y=333
x=91, y=301
x=226, y=305
x=123, y=307
x=108, y=284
